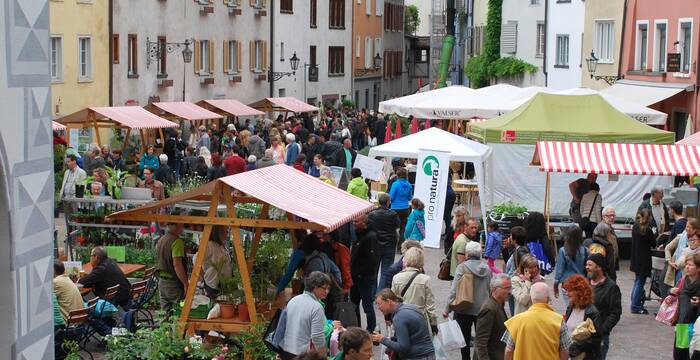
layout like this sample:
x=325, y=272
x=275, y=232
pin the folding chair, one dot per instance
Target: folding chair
x=77, y=327
x=138, y=298
x=98, y=324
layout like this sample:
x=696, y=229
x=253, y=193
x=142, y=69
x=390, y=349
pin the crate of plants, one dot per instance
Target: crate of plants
x=508, y=215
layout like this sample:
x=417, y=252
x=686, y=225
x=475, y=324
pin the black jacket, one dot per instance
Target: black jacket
x=646, y=204
x=608, y=300
x=164, y=174
x=329, y=150
x=611, y=262
x=380, y=130
x=364, y=259
x=642, y=243
x=385, y=222
x=340, y=159
x=590, y=346
x=687, y=313
x=106, y=275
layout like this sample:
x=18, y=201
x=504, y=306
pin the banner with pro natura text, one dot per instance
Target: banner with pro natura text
x=431, y=189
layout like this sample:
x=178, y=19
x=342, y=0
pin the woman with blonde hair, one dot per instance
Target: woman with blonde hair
x=204, y=153
x=528, y=273
x=279, y=155
x=414, y=286
x=244, y=136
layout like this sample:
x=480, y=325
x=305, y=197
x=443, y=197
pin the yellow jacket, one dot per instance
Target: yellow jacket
x=535, y=333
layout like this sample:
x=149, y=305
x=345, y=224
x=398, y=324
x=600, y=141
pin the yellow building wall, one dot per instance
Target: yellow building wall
x=70, y=19
x=601, y=10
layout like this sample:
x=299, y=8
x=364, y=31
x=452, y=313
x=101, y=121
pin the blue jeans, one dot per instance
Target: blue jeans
x=605, y=345
x=386, y=259
x=637, y=299
x=363, y=289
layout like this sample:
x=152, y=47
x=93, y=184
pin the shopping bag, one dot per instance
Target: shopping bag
x=684, y=332
x=451, y=336
x=537, y=250
x=667, y=310
x=439, y=352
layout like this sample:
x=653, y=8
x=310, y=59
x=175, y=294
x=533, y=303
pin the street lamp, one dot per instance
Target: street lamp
x=592, y=64
x=276, y=75
x=376, y=65
x=156, y=49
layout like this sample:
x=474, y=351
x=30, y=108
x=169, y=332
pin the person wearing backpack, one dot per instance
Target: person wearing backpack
x=571, y=260
x=470, y=289
x=415, y=225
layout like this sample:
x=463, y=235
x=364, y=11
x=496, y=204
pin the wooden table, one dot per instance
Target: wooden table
x=465, y=191
x=127, y=269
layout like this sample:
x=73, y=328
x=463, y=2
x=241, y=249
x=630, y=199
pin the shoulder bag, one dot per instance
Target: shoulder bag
x=408, y=284
x=445, y=265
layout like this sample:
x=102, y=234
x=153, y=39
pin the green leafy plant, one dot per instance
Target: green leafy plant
x=509, y=208
x=510, y=66
x=115, y=181
x=252, y=341
x=347, y=103
x=184, y=185
x=411, y=19
x=72, y=350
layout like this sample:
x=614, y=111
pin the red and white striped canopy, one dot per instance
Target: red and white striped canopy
x=57, y=127
x=625, y=159
x=303, y=195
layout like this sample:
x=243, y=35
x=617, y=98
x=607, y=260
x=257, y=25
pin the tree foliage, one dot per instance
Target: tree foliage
x=411, y=19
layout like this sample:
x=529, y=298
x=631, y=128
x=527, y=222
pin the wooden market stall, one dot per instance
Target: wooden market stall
x=284, y=105
x=128, y=117
x=309, y=204
x=230, y=107
x=180, y=111
x=57, y=127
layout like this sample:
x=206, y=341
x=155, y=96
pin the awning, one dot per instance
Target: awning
x=645, y=92
x=307, y=197
x=691, y=140
x=133, y=117
x=232, y=107
x=283, y=104
x=186, y=110
x=624, y=159
x=57, y=127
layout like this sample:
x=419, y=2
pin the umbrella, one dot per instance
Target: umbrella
x=398, y=128
x=427, y=124
x=414, y=126
x=387, y=134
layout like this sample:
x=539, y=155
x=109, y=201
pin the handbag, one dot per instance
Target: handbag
x=445, y=265
x=346, y=313
x=537, y=250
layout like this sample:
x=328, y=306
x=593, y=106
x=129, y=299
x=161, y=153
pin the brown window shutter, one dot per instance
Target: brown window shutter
x=197, y=57
x=264, y=55
x=238, y=56
x=212, y=54
x=251, y=54
x=225, y=65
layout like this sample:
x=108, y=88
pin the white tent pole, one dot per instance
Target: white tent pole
x=480, y=182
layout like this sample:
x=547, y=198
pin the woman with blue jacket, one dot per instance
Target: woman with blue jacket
x=149, y=159
x=571, y=259
x=401, y=193
x=415, y=226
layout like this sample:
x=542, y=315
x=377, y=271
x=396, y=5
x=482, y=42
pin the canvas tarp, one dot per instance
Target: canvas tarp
x=584, y=118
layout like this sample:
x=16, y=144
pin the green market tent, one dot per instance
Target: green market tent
x=573, y=118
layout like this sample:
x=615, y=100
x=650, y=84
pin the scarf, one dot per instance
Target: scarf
x=682, y=244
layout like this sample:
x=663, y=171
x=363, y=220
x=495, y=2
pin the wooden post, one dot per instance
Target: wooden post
x=162, y=137
x=197, y=268
x=245, y=274
x=97, y=129
x=143, y=142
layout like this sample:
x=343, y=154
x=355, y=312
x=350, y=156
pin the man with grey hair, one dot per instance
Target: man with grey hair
x=538, y=333
x=659, y=212
x=266, y=160
x=491, y=320
x=477, y=276
x=305, y=318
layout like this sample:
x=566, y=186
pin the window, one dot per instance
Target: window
x=357, y=46
x=132, y=50
x=562, y=59
x=282, y=52
x=203, y=57
x=313, y=7
x=336, y=14
x=336, y=60
x=257, y=52
x=509, y=37
x=368, y=52
x=604, y=41
x=232, y=56
x=660, y=41
x=56, y=58
x=368, y=7
x=287, y=6
x=115, y=49
x=84, y=58
x=312, y=55
x=539, y=51
x=422, y=56
x=162, y=69
x=685, y=38
x=377, y=48
x=642, y=39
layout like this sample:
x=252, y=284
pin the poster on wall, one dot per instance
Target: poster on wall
x=80, y=139
x=431, y=187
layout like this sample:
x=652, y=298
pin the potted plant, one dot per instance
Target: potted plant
x=230, y=292
x=115, y=181
x=508, y=214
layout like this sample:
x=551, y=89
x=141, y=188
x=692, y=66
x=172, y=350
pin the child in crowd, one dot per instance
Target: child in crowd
x=494, y=243
x=415, y=226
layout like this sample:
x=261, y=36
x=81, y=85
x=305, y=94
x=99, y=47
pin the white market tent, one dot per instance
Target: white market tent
x=460, y=148
x=459, y=102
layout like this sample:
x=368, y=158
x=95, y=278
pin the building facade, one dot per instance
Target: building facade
x=424, y=14
x=659, y=54
x=325, y=49
x=367, y=44
x=393, y=57
x=523, y=36
x=602, y=35
x=228, y=41
x=26, y=182
x=79, y=57
x=564, y=28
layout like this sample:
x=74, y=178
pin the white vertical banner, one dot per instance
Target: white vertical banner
x=431, y=189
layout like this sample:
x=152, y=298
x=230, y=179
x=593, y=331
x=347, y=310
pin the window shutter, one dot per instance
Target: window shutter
x=251, y=54
x=252, y=3
x=212, y=53
x=197, y=57
x=238, y=56
x=264, y=55
x=509, y=37
x=225, y=65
